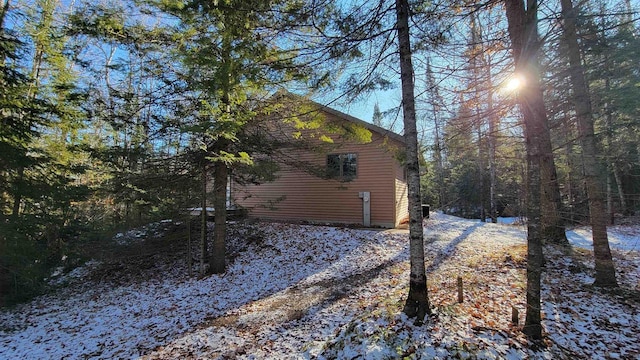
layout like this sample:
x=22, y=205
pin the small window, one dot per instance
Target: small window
x=342, y=166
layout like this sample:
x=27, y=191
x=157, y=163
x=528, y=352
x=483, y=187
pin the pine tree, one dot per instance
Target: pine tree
x=53, y=79
x=464, y=191
x=16, y=135
x=37, y=187
x=605, y=271
x=236, y=59
x=437, y=107
x=609, y=44
x=377, y=117
x=523, y=31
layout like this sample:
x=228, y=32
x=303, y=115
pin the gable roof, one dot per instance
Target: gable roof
x=371, y=127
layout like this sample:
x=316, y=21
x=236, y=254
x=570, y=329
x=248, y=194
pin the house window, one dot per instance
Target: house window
x=342, y=166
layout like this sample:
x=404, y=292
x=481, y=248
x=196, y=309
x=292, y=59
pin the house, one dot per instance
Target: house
x=347, y=180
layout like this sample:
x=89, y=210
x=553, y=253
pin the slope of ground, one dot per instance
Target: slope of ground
x=294, y=291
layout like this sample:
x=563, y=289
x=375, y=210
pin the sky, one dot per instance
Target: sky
x=363, y=108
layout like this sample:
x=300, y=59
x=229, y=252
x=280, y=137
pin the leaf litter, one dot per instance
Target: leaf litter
x=321, y=292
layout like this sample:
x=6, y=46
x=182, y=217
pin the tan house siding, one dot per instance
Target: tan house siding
x=401, y=197
x=298, y=196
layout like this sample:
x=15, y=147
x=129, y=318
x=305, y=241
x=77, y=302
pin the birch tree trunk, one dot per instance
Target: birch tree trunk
x=417, y=304
x=593, y=170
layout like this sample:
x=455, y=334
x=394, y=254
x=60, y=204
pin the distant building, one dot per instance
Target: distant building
x=351, y=181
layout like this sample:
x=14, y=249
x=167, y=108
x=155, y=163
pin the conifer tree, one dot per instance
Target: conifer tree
x=436, y=103
x=523, y=31
x=231, y=55
x=36, y=178
x=377, y=116
x=605, y=271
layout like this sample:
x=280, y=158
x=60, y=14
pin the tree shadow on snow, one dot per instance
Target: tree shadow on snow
x=450, y=248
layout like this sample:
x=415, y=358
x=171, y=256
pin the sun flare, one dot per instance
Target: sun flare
x=514, y=83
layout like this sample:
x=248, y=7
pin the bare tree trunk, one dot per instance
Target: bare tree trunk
x=439, y=165
x=203, y=217
x=569, y=189
x=477, y=53
x=553, y=228
x=218, y=252
x=189, y=254
x=17, y=198
x=417, y=304
x=611, y=162
x=483, y=183
x=610, y=208
x=436, y=104
x=493, y=122
x=523, y=31
x=552, y=222
x=621, y=195
x=217, y=263
x=605, y=271
x=628, y=18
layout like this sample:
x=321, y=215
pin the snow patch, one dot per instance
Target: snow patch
x=326, y=292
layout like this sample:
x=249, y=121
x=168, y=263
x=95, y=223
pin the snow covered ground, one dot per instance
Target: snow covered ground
x=626, y=238
x=294, y=291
